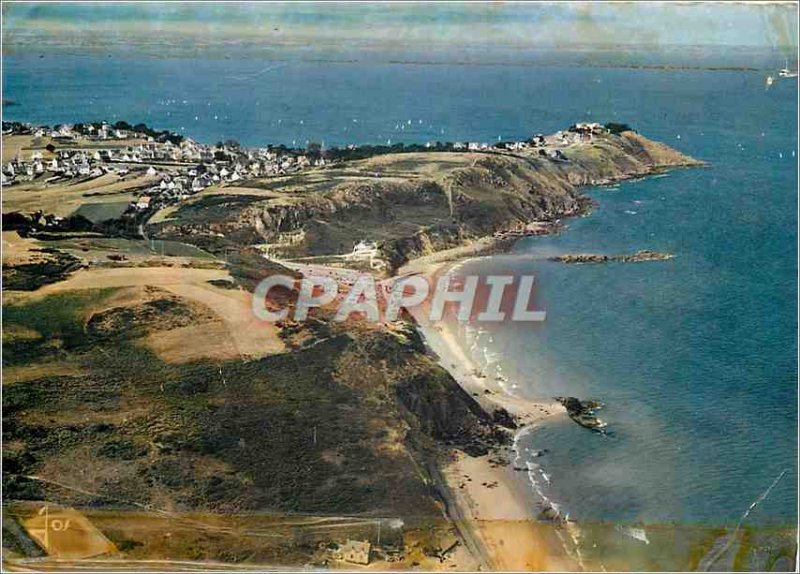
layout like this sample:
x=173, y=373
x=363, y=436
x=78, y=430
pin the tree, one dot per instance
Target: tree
x=314, y=150
x=617, y=128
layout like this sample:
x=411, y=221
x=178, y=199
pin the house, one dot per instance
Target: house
x=355, y=552
x=143, y=202
x=151, y=171
x=364, y=250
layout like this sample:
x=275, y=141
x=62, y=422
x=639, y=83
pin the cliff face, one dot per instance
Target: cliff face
x=416, y=203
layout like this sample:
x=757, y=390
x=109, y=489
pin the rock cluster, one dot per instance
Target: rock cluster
x=583, y=412
x=642, y=255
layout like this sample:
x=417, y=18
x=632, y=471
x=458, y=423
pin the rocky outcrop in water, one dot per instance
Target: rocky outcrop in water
x=643, y=255
x=583, y=413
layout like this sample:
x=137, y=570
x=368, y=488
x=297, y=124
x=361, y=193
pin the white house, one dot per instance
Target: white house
x=143, y=202
x=364, y=251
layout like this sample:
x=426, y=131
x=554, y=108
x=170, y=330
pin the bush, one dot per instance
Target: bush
x=616, y=128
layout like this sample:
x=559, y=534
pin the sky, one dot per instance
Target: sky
x=404, y=25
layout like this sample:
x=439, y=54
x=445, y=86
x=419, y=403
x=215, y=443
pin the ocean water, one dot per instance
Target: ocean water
x=695, y=357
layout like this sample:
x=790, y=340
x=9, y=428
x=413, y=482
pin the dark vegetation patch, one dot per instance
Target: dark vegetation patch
x=49, y=266
x=57, y=319
x=222, y=283
x=617, y=128
x=99, y=212
x=213, y=207
x=248, y=267
x=163, y=312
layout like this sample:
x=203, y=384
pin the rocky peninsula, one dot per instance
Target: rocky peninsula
x=414, y=204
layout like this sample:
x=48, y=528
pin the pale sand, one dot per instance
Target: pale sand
x=443, y=342
x=490, y=498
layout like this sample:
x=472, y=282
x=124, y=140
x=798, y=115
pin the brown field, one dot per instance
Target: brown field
x=18, y=250
x=248, y=336
x=63, y=199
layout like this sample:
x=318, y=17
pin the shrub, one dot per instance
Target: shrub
x=617, y=128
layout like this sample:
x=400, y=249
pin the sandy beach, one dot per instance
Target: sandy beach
x=491, y=496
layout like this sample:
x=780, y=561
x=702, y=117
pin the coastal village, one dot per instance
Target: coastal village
x=181, y=167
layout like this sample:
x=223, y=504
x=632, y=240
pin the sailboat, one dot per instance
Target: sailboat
x=785, y=72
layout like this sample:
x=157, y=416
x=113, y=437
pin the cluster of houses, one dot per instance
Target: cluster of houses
x=64, y=165
x=576, y=134
x=183, y=166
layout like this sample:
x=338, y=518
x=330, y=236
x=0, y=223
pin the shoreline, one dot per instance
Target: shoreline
x=493, y=503
x=496, y=504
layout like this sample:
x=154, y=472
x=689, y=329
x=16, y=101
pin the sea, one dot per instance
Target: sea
x=695, y=358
